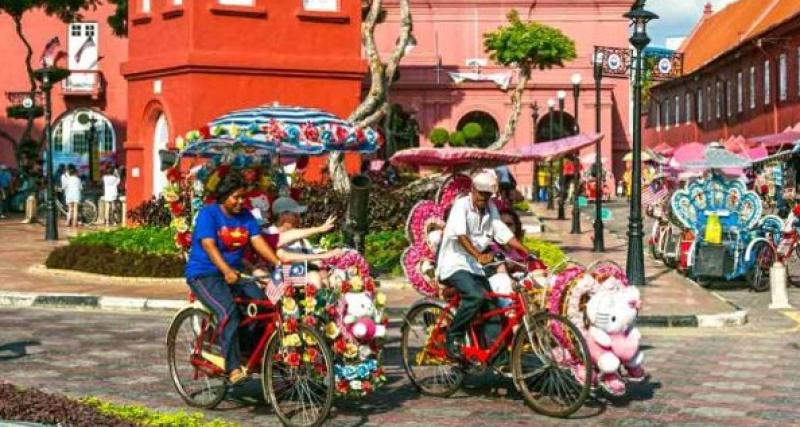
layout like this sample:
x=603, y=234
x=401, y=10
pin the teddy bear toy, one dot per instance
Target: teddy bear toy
x=613, y=339
x=361, y=318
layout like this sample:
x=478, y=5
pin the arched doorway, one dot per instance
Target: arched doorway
x=75, y=132
x=488, y=125
x=160, y=141
x=543, y=127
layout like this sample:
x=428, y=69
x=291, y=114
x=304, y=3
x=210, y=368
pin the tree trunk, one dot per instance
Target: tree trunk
x=516, y=109
x=18, y=144
x=375, y=105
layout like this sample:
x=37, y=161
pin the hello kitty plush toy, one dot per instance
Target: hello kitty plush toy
x=361, y=318
x=612, y=337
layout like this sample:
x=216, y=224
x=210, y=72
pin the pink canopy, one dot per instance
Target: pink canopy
x=777, y=139
x=454, y=157
x=690, y=152
x=559, y=147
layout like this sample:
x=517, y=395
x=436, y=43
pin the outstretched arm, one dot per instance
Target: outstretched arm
x=289, y=256
x=291, y=236
x=264, y=250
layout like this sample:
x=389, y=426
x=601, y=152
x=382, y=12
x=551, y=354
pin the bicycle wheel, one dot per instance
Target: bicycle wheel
x=298, y=381
x=551, y=366
x=422, y=347
x=188, y=338
x=758, y=274
x=116, y=214
x=87, y=212
x=793, y=267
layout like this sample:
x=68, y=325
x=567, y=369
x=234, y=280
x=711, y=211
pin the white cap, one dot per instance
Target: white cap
x=287, y=204
x=485, y=181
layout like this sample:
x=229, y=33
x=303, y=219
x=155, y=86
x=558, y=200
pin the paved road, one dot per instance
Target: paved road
x=737, y=377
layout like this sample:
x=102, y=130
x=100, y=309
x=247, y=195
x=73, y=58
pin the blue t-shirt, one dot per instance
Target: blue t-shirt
x=5, y=179
x=231, y=234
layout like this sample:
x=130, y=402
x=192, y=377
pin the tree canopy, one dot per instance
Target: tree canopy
x=66, y=10
x=529, y=44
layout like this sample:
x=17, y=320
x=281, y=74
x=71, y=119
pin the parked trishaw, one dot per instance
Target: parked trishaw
x=313, y=343
x=568, y=328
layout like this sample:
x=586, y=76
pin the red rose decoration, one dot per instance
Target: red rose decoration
x=345, y=287
x=289, y=291
x=341, y=134
x=339, y=346
x=292, y=359
x=173, y=175
x=291, y=325
x=331, y=309
x=360, y=135
x=310, y=320
x=313, y=354
x=311, y=291
x=366, y=386
x=176, y=208
x=205, y=132
x=342, y=386
x=310, y=132
x=369, y=286
x=184, y=239
x=320, y=368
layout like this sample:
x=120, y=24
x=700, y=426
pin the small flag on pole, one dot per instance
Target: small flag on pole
x=277, y=286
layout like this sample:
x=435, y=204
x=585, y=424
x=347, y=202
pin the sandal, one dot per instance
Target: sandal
x=237, y=376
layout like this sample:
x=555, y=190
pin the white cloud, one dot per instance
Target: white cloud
x=677, y=17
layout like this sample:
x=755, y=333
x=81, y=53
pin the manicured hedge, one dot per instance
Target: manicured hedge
x=148, y=240
x=105, y=259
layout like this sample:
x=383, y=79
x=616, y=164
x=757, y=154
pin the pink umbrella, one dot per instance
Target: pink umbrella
x=559, y=147
x=454, y=157
x=689, y=152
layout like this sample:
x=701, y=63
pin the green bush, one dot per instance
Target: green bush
x=472, y=131
x=148, y=418
x=147, y=240
x=549, y=253
x=383, y=249
x=105, y=259
x=439, y=137
x=522, y=206
x=457, y=139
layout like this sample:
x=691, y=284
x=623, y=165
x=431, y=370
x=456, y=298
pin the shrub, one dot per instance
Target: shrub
x=143, y=416
x=439, y=137
x=382, y=249
x=472, y=131
x=549, y=253
x=105, y=259
x=457, y=139
x=152, y=213
x=149, y=240
x=522, y=206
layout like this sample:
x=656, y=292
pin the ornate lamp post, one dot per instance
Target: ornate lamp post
x=49, y=76
x=576, y=211
x=551, y=103
x=599, y=243
x=91, y=139
x=562, y=193
x=639, y=40
x=534, y=180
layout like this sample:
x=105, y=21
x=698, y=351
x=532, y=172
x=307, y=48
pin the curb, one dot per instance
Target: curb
x=57, y=300
x=43, y=271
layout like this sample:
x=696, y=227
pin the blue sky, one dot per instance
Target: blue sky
x=676, y=17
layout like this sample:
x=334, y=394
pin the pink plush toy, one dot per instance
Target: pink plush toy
x=613, y=339
x=364, y=329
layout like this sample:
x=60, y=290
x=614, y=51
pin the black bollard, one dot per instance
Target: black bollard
x=358, y=211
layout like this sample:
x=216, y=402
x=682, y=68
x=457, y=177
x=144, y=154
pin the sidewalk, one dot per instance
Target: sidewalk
x=667, y=295
x=669, y=299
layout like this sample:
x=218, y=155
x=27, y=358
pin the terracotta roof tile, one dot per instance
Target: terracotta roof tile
x=724, y=30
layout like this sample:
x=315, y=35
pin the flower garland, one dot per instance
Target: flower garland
x=350, y=313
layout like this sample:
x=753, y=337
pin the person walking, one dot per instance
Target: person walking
x=110, y=193
x=5, y=189
x=72, y=194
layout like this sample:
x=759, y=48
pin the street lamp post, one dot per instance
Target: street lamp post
x=551, y=103
x=576, y=211
x=534, y=180
x=91, y=141
x=639, y=40
x=599, y=243
x=562, y=191
x=48, y=77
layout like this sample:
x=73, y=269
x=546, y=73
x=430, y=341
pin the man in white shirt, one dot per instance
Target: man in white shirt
x=472, y=225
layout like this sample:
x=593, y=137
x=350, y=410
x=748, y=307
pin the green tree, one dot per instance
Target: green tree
x=472, y=131
x=457, y=139
x=526, y=46
x=27, y=147
x=439, y=137
x=119, y=20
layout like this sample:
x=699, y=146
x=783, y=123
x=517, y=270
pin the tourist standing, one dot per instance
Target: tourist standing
x=72, y=194
x=110, y=192
x=5, y=189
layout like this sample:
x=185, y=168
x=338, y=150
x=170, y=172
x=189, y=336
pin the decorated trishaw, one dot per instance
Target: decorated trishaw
x=314, y=342
x=725, y=219
x=568, y=328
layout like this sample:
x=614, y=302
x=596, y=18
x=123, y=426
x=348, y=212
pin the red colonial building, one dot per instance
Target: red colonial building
x=183, y=64
x=741, y=77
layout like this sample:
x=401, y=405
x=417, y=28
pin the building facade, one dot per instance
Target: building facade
x=447, y=80
x=741, y=77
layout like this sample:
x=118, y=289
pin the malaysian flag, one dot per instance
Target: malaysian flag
x=284, y=277
x=650, y=197
x=296, y=274
x=277, y=287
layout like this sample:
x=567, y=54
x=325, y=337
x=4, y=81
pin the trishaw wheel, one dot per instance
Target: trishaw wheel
x=87, y=212
x=654, y=251
x=298, y=377
x=758, y=274
x=422, y=348
x=793, y=267
x=188, y=337
x=551, y=365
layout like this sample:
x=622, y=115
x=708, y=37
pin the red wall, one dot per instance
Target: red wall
x=211, y=59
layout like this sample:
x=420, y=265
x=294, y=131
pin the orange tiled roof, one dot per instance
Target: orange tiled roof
x=722, y=31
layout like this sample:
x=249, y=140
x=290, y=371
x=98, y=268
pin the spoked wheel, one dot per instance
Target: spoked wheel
x=793, y=267
x=298, y=380
x=423, y=349
x=758, y=274
x=551, y=366
x=189, y=350
x=87, y=212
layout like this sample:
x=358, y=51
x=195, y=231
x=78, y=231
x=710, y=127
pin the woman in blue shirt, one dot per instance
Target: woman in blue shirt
x=222, y=232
